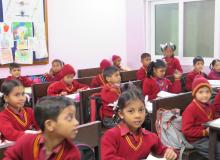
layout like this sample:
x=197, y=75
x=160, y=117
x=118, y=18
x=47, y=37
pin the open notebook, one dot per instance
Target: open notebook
x=150, y=157
x=214, y=83
x=214, y=123
x=164, y=94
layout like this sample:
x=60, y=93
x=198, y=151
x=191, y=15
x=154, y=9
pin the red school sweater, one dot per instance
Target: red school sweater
x=141, y=73
x=172, y=65
x=152, y=86
x=56, y=88
x=119, y=144
x=213, y=75
x=13, y=124
x=109, y=94
x=24, y=80
x=98, y=81
x=28, y=144
x=193, y=118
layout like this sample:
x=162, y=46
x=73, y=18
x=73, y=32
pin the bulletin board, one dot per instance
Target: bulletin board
x=23, y=32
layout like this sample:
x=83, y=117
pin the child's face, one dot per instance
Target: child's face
x=68, y=79
x=168, y=52
x=66, y=123
x=115, y=78
x=117, y=62
x=133, y=114
x=199, y=66
x=56, y=67
x=15, y=72
x=159, y=72
x=146, y=61
x=217, y=66
x=203, y=94
x=16, y=97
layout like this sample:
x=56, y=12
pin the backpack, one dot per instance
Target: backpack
x=86, y=152
x=168, y=126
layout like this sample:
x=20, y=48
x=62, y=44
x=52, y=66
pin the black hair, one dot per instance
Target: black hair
x=163, y=47
x=145, y=55
x=6, y=87
x=129, y=93
x=212, y=64
x=157, y=64
x=109, y=71
x=58, y=61
x=13, y=65
x=197, y=59
x=50, y=108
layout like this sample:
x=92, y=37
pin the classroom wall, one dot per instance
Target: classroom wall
x=82, y=32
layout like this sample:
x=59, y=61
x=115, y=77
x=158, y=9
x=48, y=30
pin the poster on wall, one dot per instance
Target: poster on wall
x=23, y=56
x=6, y=56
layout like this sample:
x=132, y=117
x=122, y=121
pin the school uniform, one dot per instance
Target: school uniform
x=23, y=79
x=56, y=88
x=13, y=124
x=119, y=143
x=173, y=64
x=213, y=75
x=190, y=77
x=109, y=94
x=217, y=103
x=141, y=73
x=152, y=86
x=32, y=147
x=55, y=77
x=98, y=81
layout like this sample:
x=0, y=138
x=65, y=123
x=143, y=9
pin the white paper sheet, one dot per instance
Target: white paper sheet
x=214, y=83
x=6, y=56
x=150, y=157
x=164, y=94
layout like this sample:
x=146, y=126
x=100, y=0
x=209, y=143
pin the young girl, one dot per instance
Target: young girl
x=128, y=140
x=116, y=60
x=155, y=81
x=173, y=64
x=214, y=74
x=15, y=119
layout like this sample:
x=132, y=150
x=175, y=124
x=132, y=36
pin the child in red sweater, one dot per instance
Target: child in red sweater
x=214, y=74
x=173, y=64
x=54, y=73
x=198, y=112
x=15, y=119
x=15, y=71
x=198, y=63
x=56, y=118
x=117, y=63
x=111, y=91
x=67, y=85
x=127, y=140
x=142, y=72
x=156, y=82
x=99, y=80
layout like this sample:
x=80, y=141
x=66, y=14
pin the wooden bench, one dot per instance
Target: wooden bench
x=128, y=76
x=85, y=80
x=88, y=72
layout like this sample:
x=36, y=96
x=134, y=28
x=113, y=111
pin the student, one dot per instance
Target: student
x=15, y=119
x=111, y=91
x=214, y=74
x=56, y=118
x=67, y=85
x=142, y=72
x=198, y=64
x=54, y=73
x=156, y=82
x=198, y=112
x=217, y=103
x=173, y=64
x=117, y=63
x=128, y=140
x=99, y=80
x=15, y=71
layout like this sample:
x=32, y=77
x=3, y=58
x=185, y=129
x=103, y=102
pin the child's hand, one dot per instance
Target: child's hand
x=170, y=154
x=63, y=93
x=207, y=130
x=177, y=74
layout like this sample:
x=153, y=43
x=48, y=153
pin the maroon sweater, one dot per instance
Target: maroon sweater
x=119, y=143
x=193, y=118
x=151, y=87
x=24, y=80
x=24, y=149
x=214, y=75
x=56, y=88
x=11, y=128
x=141, y=73
x=173, y=64
x=98, y=81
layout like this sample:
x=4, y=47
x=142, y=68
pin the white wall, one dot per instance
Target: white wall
x=82, y=32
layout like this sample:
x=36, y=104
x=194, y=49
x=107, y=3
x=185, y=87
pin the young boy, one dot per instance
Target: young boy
x=117, y=63
x=111, y=91
x=54, y=73
x=67, y=85
x=142, y=72
x=198, y=64
x=56, y=118
x=198, y=112
x=15, y=71
x=99, y=80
